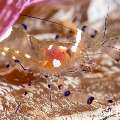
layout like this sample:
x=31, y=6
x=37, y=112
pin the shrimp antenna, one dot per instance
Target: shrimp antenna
x=50, y=93
x=105, y=25
x=42, y=19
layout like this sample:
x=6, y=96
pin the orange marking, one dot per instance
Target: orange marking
x=55, y=53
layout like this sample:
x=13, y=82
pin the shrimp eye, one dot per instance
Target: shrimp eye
x=46, y=76
x=60, y=86
x=84, y=28
x=67, y=93
x=90, y=100
x=57, y=36
x=16, y=61
x=117, y=58
x=7, y=65
x=110, y=101
x=25, y=93
x=49, y=85
x=29, y=83
x=24, y=26
x=94, y=33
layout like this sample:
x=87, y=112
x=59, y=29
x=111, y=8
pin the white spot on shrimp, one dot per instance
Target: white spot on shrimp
x=63, y=47
x=3, y=53
x=6, y=49
x=56, y=63
x=78, y=39
x=13, y=57
x=27, y=56
x=50, y=47
x=17, y=52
